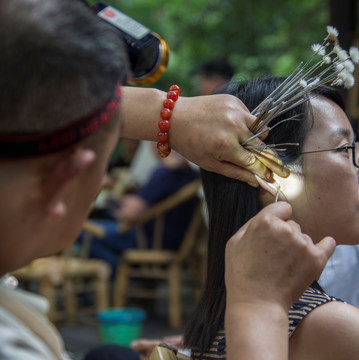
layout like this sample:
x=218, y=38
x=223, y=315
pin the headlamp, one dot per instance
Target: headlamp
x=148, y=53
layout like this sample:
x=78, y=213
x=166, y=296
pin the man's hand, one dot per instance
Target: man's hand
x=131, y=207
x=208, y=130
x=145, y=346
x=270, y=260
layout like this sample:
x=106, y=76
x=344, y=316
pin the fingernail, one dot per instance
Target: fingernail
x=285, y=172
x=269, y=177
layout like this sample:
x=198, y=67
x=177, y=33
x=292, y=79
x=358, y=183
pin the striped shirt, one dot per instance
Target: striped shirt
x=310, y=299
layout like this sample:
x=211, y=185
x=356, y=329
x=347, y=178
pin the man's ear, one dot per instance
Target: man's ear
x=59, y=177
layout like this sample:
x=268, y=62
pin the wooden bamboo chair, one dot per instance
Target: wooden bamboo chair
x=157, y=263
x=65, y=275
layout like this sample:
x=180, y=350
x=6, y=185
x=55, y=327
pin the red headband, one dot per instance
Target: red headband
x=35, y=144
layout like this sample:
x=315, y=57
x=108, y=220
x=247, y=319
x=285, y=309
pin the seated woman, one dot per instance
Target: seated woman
x=172, y=173
x=324, y=194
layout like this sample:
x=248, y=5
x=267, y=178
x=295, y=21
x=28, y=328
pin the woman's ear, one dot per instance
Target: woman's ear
x=60, y=175
x=285, y=189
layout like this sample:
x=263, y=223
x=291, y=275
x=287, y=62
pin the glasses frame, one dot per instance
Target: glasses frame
x=347, y=147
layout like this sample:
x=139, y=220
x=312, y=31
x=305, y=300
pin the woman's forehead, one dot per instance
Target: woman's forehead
x=329, y=121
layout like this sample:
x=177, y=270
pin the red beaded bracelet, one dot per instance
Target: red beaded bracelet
x=163, y=147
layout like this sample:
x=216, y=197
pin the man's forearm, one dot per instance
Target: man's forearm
x=140, y=109
x=256, y=332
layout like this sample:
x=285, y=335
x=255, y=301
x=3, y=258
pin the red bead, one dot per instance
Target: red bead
x=163, y=137
x=173, y=95
x=164, y=125
x=166, y=114
x=164, y=154
x=163, y=149
x=169, y=104
x=176, y=88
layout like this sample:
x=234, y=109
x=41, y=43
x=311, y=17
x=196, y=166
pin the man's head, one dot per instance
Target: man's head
x=213, y=75
x=59, y=63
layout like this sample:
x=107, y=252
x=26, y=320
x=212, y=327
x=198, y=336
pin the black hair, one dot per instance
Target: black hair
x=217, y=67
x=58, y=62
x=231, y=203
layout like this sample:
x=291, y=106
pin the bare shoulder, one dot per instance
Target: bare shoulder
x=328, y=332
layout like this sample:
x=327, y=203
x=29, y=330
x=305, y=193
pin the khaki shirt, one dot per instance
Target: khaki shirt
x=25, y=331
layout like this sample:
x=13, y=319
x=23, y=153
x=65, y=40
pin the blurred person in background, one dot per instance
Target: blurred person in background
x=212, y=75
x=172, y=173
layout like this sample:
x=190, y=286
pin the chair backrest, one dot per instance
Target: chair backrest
x=157, y=213
x=90, y=229
x=123, y=179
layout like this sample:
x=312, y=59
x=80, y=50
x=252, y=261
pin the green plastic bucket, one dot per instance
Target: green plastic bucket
x=121, y=325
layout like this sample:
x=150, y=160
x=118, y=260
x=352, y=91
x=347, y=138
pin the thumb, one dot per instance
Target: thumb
x=326, y=247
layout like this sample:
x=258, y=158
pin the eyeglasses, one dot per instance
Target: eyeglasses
x=354, y=147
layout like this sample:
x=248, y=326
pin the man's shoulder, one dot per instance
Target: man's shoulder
x=25, y=331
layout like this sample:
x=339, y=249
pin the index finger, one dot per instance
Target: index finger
x=259, y=162
x=249, y=161
x=272, y=161
x=281, y=209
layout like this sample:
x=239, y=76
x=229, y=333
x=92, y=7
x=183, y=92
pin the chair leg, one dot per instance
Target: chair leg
x=121, y=285
x=175, y=309
x=70, y=300
x=101, y=294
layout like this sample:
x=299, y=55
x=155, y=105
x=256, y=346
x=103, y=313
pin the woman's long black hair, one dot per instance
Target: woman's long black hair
x=231, y=203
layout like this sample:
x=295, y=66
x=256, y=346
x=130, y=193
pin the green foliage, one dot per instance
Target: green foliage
x=258, y=37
